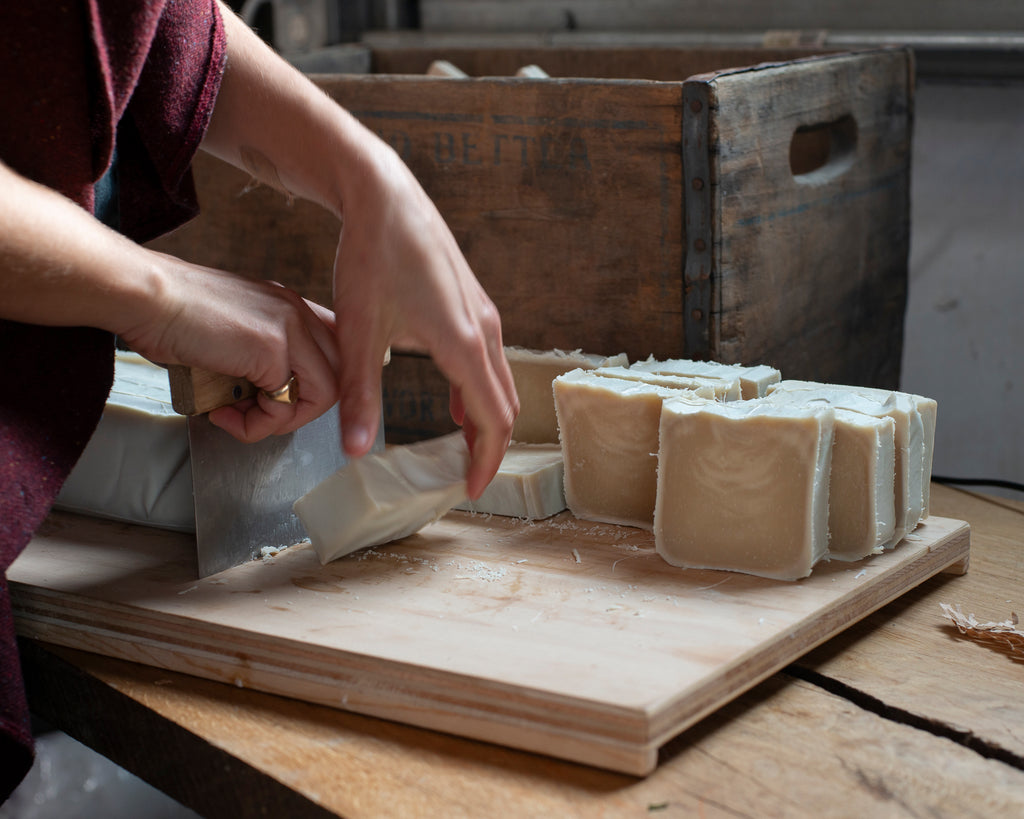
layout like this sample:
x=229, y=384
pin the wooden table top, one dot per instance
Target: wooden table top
x=899, y=715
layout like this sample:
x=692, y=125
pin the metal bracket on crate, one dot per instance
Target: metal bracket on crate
x=697, y=227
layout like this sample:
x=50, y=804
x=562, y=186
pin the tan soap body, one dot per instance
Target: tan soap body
x=910, y=481
x=385, y=496
x=609, y=439
x=136, y=467
x=743, y=486
x=754, y=381
x=528, y=484
x=533, y=371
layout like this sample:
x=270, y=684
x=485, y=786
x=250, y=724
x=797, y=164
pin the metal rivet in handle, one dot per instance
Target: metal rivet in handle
x=698, y=184
x=700, y=245
x=697, y=315
x=695, y=106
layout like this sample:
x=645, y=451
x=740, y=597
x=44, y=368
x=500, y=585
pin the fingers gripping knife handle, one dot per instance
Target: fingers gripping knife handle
x=195, y=391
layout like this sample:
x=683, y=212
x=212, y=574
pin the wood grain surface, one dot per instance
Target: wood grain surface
x=562, y=636
x=789, y=747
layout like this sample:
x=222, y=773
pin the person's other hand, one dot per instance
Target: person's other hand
x=401, y=281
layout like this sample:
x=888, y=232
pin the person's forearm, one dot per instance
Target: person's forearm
x=60, y=266
x=272, y=121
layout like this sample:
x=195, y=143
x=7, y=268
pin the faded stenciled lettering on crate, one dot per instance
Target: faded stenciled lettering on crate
x=467, y=149
x=550, y=143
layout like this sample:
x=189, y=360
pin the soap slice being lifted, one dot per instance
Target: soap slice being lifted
x=528, y=484
x=743, y=486
x=383, y=497
x=533, y=371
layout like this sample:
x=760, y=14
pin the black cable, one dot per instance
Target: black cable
x=1014, y=485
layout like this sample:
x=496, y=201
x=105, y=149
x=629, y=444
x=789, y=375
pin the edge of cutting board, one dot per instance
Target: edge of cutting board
x=623, y=738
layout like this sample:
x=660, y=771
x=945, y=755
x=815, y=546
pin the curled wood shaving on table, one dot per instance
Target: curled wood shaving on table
x=1005, y=635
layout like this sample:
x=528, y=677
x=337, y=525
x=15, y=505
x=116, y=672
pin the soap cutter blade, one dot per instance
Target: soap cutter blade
x=243, y=492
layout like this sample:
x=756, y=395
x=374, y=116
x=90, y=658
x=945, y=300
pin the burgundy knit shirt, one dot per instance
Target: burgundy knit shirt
x=76, y=78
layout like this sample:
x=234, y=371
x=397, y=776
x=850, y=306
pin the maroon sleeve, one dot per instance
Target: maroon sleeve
x=75, y=75
x=167, y=117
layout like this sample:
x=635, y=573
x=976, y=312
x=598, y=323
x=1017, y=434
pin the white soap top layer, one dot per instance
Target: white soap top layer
x=383, y=497
x=720, y=388
x=569, y=358
x=754, y=381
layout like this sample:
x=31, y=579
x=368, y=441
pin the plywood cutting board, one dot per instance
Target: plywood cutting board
x=563, y=637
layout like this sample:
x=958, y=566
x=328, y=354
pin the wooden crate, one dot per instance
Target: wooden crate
x=757, y=214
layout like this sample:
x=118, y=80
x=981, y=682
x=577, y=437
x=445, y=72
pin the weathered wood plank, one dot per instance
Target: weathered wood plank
x=808, y=263
x=968, y=686
x=625, y=61
x=783, y=749
x=647, y=15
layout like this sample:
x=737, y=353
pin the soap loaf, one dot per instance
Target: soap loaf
x=136, y=467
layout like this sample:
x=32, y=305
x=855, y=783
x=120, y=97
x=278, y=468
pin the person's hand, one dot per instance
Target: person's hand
x=241, y=327
x=400, y=280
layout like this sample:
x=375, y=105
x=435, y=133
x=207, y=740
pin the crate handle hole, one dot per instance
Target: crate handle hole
x=818, y=153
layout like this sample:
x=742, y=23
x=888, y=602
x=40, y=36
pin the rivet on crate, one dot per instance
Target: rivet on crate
x=698, y=184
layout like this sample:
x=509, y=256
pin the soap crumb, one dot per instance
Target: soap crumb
x=186, y=591
x=239, y=683
x=861, y=573
x=267, y=553
x=576, y=555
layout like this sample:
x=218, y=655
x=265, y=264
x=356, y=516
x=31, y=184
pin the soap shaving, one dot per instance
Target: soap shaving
x=1005, y=636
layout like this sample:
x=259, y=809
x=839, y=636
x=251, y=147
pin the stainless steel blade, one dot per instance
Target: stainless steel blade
x=244, y=492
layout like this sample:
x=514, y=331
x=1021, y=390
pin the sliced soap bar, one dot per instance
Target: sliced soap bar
x=529, y=484
x=719, y=389
x=609, y=436
x=383, y=497
x=928, y=410
x=862, y=489
x=136, y=467
x=754, y=381
x=533, y=371
x=743, y=486
x=910, y=479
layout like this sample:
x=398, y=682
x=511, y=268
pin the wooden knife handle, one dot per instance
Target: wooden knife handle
x=195, y=391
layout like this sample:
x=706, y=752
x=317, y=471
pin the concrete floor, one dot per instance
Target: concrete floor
x=964, y=345
x=70, y=781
